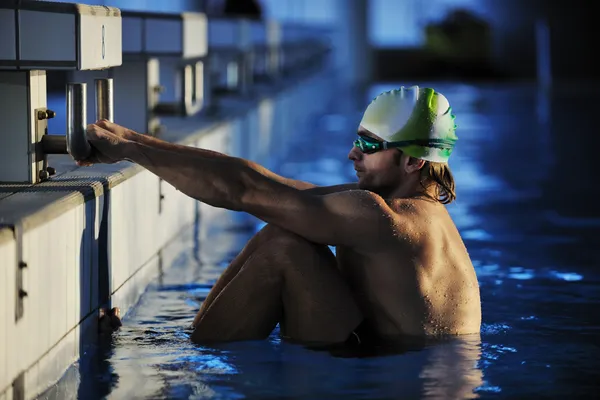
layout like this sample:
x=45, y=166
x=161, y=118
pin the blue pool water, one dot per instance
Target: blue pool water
x=526, y=208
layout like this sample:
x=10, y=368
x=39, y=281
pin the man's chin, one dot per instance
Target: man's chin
x=362, y=185
x=366, y=185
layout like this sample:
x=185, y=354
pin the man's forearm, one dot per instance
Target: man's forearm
x=323, y=190
x=221, y=181
x=218, y=181
x=162, y=144
x=198, y=152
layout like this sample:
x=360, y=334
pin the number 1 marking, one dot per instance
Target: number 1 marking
x=103, y=45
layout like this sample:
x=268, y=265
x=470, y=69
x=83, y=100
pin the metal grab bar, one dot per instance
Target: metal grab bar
x=193, y=93
x=54, y=144
x=75, y=141
x=104, y=100
x=77, y=144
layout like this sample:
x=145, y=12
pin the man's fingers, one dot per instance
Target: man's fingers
x=96, y=132
x=106, y=124
x=102, y=142
x=113, y=128
x=92, y=131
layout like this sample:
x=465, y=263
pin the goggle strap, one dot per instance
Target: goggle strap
x=435, y=143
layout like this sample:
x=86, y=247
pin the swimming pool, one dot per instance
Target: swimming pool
x=526, y=194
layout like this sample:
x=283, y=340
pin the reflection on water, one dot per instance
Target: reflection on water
x=532, y=247
x=152, y=357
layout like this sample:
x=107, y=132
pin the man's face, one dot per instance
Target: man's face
x=377, y=171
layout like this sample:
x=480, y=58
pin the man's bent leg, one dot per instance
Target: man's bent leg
x=234, y=267
x=285, y=279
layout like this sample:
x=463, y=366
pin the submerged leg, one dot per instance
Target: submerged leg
x=279, y=277
x=230, y=272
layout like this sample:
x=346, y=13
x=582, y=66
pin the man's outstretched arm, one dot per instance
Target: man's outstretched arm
x=150, y=141
x=233, y=183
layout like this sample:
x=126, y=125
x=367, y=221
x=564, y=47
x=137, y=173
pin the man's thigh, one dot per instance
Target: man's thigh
x=317, y=300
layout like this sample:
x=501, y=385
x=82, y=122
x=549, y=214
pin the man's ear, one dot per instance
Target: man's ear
x=413, y=164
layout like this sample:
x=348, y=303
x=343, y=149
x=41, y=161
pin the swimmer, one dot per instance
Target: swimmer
x=401, y=268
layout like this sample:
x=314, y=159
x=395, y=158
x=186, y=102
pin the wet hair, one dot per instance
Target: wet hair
x=439, y=174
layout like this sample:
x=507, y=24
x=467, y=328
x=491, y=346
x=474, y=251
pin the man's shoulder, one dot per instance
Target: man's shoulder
x=424, y=220
x=418, y=206
x=410, y=209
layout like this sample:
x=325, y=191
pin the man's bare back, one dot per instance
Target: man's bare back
x=421, y=282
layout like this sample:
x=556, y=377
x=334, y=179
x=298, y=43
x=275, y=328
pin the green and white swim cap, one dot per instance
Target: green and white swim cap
x=422, y=117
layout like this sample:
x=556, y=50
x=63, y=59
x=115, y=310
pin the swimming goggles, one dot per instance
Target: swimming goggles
x=368, y=145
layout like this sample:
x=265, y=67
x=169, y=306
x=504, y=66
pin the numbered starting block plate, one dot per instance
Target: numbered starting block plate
x=49, y=35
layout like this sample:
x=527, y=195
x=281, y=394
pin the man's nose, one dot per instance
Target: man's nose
x=355, y=154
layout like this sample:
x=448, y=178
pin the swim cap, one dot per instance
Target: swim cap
x=413, y=114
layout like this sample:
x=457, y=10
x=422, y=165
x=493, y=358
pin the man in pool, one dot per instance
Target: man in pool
x=401, y=268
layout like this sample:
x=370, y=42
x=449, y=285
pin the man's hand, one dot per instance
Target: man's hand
x=108, y=142
x=118, y=130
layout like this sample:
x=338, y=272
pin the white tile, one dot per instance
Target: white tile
x=26, y=347
x=117, y=236
x=6, y=317
x=95, y=217
x=50, y=289
x=72, y=246
x=32, y=381
x=60, y=253
x=57, y=310
x=36, y=296
x=53, y=365
x=10, y=344
x=8, y=394
x=42, y=273
x=81, y=265
x=83, y=261
x=54, y=290
x=75, y=341
x=79, y=261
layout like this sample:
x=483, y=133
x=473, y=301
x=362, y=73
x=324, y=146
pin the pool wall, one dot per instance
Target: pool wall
x=92, y=237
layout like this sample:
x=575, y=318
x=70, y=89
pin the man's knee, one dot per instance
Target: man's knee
x=273, y=234
x=282, y=245
x=272, y=231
